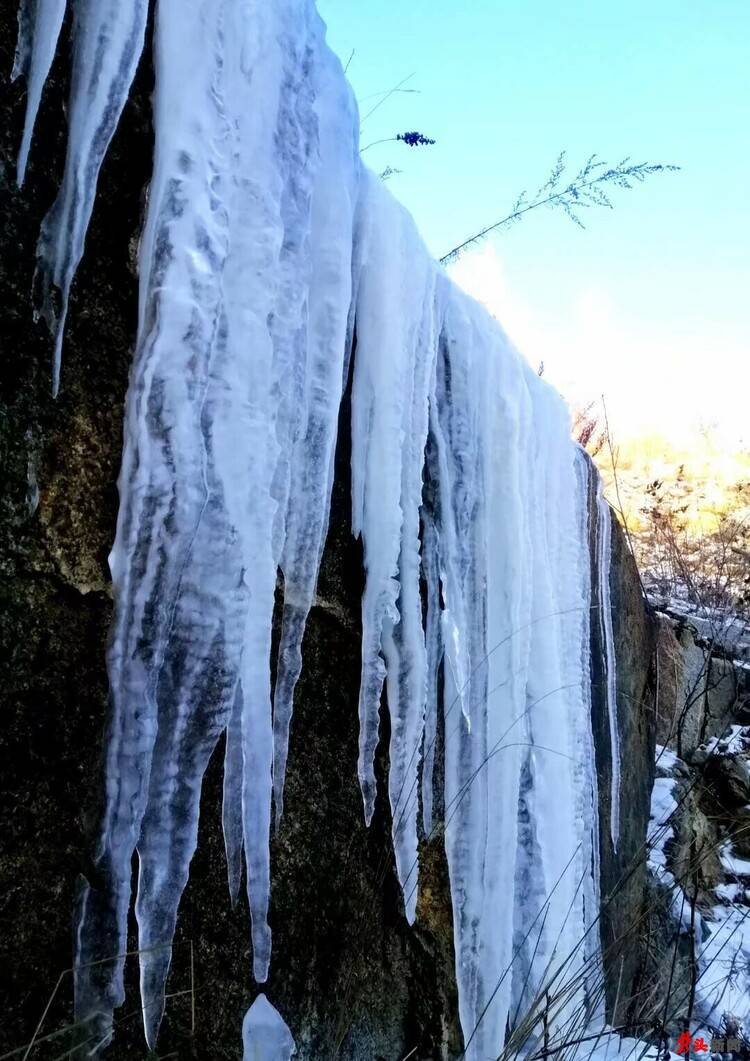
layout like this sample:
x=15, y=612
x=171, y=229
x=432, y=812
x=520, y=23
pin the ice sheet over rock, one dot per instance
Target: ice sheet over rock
x=266, y=247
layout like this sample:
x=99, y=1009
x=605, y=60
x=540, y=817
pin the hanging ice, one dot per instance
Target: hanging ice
x=602, y=524
x=395, y=314
x=39, y=24
x=265, y=1036
x=268, y=259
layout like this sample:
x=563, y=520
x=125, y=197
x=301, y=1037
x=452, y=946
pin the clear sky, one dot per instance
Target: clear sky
x=651, y=303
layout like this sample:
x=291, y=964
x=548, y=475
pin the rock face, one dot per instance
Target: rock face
x=694, y=962
x=351, y=979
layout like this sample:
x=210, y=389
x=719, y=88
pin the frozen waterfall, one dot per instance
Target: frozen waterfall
x=270, y=262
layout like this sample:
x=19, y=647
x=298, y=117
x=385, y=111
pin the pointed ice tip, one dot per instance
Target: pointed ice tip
x=262, y=957
x=23, y=154
x=279, y=811
x=265, y=1036
x=56, y=363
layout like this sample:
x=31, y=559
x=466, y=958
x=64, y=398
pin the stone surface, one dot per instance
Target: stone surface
x=697, y=689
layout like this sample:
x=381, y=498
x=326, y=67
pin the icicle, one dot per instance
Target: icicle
x=604, y=543
x=332, y=208
x=39, y=24
x=265, y=1036
x=586, y=767
x=213, y=415
x=108, y=40
x=265, y=245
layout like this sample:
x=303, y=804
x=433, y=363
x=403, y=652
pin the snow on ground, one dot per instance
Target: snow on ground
x=661, y=833
x=723, y=932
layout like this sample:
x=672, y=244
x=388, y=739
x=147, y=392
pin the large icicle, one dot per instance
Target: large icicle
x=586, y=766
x=39, y=25
x=265, y=1036
x=108, y=40
x=392, y=370
x=228, y=375
x=603, y=518
x=514, y=558
x=434, y=649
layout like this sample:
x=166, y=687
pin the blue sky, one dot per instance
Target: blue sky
x=651, y=304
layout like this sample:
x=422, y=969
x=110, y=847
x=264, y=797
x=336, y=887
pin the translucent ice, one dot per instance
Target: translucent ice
x=265, y=1036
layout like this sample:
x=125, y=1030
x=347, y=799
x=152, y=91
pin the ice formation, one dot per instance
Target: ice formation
x=609, y=659
x=722, y=931
x=266, y=247
x=265, y=1036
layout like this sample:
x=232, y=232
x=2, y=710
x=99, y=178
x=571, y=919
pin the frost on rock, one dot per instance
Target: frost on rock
x=265, y=1036
x=270, y=258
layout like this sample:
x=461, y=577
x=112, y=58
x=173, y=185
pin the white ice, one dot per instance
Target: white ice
x=660, y=834
x=724, y=965
x=604, y=538
x=393, y=366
